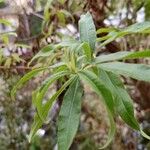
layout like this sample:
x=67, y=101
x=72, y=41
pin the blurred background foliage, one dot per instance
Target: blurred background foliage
x=26, y=26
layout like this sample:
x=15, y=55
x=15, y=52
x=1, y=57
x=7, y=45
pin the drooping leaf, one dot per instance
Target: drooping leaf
x=43, y=89
x=122, y=55
x=37, y=124
x=101, y=89
x=44, y=52
x=136, y=71
x=87, y=30
x=112, y=130
x=69, y=115
x=91, y=79
x=25, y=78
x=122, y=100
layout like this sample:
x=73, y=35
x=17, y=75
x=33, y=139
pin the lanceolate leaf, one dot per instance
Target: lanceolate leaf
x=122, y=100
x=43, y=89
x=136, y=71
x=100, y=88
x=87, y=30
x=45, y=109
x=122, y=55
x=25, y=78
x=44, y=52
x=143, y=27
x=69, y=115
x=112, y=130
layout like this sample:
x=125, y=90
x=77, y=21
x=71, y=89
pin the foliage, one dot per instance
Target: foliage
x=78, y=63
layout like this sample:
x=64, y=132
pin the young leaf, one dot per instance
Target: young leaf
x=122, y=55
x=122, y=100
x=136, y=71
x=87, y=30
x=69, y=115
x=44, y=52
x=43, y=89
x=45, y=109
x=87, y=51
x=25, y=78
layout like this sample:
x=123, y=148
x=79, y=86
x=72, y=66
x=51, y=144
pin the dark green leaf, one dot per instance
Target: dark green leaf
x=122, y=100
x=69, y=115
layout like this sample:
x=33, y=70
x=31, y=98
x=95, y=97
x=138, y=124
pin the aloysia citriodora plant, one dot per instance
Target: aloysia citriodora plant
x=78, y=63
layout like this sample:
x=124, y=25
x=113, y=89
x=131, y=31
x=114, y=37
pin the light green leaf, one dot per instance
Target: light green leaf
x=44, y=52
x=122, y=55
x=44, y=88
x=87, y=51
x=122, y=100
x=6, y=22
x=69, y=115
x=87, y=30
x=45, y=110
x=143, y=27
x=136, y=71
x=25, y=78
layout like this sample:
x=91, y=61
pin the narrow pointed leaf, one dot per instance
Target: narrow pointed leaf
x=43, y=89
x=122, y=100
x=69, y=115
x=122, y=55
x=37, y=124
x=25, y=78
x=99, y=87
x=136, y=71
x=112, y=130
x=87, y=30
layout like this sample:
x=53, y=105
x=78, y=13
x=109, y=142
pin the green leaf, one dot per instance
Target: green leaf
x=100, y=88
x=87, y=51
x=143, y=27
x=138, y=28
x=112, y=130
x=111, y=57
x=44, y=52
x=69, y=115
x=25, y=78
x=122, y=100
x=44, y=88
x=45, y=109
x=122, y=55
x=136, y=71
x=6, y=22
x=87, y=30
